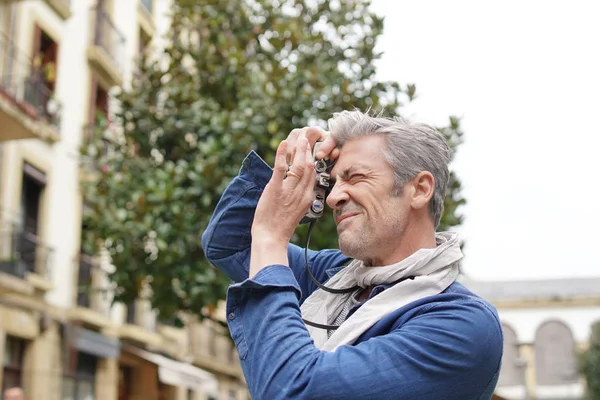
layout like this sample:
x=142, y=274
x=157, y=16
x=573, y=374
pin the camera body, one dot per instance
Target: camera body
x=323, y=186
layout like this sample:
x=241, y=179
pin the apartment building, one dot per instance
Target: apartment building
x=59, y=60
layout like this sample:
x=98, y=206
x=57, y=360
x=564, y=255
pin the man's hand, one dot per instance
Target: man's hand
x=313, y=134
x=282, y=205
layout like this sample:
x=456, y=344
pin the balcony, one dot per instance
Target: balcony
x=61, y=7
x=92, y=302
x=25, y=262
x=106, y=53
x=139, y=325
x=28, y=107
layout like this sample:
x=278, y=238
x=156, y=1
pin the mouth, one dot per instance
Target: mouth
x=344, y=216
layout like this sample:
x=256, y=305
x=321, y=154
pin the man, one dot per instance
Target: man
x=397, y=325
x=14, y=393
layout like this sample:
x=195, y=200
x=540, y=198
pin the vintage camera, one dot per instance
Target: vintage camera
x=323, y=186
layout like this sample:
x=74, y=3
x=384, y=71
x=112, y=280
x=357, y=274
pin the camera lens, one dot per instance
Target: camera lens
x=317, y=206
x=320, y=165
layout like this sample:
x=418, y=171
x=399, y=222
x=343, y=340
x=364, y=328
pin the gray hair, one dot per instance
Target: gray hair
x=411, y=149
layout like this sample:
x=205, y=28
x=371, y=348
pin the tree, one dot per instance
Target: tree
x=235, y=76
x=590, y=363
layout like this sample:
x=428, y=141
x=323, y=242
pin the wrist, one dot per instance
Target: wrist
x=266, y=250
x=267, y=237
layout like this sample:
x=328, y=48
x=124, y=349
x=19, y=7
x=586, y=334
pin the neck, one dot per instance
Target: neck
x=414, y=238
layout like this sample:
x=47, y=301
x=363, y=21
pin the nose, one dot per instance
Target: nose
x=337, y=197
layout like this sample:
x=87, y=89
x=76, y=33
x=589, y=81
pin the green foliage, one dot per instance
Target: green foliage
x=236, y=75
x=590, y=363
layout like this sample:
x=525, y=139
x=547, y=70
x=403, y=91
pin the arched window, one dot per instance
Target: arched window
x=512, y=371
x=555, y=359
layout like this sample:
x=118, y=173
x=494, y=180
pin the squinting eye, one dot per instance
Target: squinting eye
x=355, y=177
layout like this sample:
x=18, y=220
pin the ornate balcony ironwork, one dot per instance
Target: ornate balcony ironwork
x=22, y=252
x=108, y=37
x=26, y=85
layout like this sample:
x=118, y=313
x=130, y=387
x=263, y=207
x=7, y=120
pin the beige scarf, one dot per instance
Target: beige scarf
x=434, y=270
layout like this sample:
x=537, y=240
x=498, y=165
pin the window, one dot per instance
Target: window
x=212, y=339
x=33, y=185
x=130, y=316
x=81, y=384
x=148, y=5
x=100, y=103
x=42, y=80
x=46, y=58
x=555, y=355
x=165, y=392
x=84, y=281
x=125, y=382
x=143, y=41
x=29, y=249
x=13, y=362
x=512, y=372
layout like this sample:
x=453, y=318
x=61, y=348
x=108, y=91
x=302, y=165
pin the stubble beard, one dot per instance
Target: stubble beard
x=355, y=245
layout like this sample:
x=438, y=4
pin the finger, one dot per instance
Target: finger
x=298, y=164
x=292, y=139
x=328, y=149
x=280, y=165
x=310, y=168
x=314, y=134
x=335, y=153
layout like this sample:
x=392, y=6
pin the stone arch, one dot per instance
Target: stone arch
x=512, y=372
x=555, y=358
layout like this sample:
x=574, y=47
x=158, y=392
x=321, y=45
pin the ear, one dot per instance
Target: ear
x=423, y=187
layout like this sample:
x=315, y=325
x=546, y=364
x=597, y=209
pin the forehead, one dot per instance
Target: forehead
x=365, y=153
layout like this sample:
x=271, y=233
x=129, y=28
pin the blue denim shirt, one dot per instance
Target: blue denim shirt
x=447, y=346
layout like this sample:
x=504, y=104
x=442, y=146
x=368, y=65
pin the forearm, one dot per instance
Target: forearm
x=227, y=239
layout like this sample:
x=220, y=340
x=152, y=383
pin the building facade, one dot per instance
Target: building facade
x=59, y=61
x=546, y=323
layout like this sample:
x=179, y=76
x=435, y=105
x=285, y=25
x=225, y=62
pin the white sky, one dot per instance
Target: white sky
x=525, y=77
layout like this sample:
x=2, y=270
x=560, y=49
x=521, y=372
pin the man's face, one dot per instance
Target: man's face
x=370, y=221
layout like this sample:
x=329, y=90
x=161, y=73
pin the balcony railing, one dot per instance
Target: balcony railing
x=22, y=252
x=108, y=37
x=148, y=5
x=25, y=85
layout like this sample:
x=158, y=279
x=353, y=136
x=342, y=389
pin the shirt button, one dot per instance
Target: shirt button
x=231, y=316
